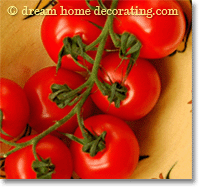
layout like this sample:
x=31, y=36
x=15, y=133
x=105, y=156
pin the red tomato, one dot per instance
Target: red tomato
x=117, y=160
x=159, y=35
x=143, y=85
x=15, y=108
x=56, y=28
x=18, y=165
x=44, y=113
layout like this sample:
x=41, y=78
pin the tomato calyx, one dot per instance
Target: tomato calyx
x=75, y=47
x=116, y=92
x=43, y=168
x=63, y=95
x=92, y=143
x=129, y=49
x=129, y=45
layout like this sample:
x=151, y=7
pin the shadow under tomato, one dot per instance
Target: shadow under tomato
x=145, y=127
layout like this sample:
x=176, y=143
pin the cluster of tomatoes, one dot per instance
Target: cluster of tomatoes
x=140, y=90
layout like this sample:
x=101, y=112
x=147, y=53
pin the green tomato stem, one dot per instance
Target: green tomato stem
x=94, y=43
x=34, y=150
x=101, y=47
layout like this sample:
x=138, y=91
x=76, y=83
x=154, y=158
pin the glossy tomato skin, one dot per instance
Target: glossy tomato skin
x=160, y=35
x=18, y=165
x=119, y=158
x=143, y=85
x=15, y=108
x=55, y=28
x=44, y=113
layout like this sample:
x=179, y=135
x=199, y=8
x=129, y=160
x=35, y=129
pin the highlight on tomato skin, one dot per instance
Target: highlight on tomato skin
x=120, y=157
x=143, y=87
x=44, y=112
x=18, y=165
x=160, y=35
x=14, y=108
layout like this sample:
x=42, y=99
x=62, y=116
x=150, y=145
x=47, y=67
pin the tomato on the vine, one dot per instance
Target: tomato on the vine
x=117, y=160
x=56, y=28
x=141, y=88
x=43, y=111
x=14, y=109
x=18, y=165
x=160, y=35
